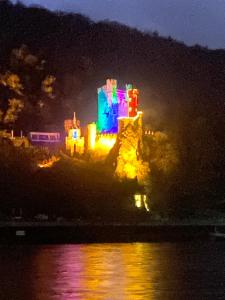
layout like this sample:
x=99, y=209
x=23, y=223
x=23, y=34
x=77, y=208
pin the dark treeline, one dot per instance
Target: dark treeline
x=182, y=92
x=70, y=189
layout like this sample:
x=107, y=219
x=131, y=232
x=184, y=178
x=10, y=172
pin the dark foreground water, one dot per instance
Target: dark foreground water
x=187, y=270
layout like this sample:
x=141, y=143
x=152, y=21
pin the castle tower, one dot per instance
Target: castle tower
x=108, y=107
x=114, y=103
x=91, y=129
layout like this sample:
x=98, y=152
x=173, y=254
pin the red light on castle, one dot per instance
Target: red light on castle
x=133, y=102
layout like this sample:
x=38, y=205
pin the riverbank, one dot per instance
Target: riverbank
x=68, y=232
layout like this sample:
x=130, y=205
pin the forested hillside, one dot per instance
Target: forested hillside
x=60, y=59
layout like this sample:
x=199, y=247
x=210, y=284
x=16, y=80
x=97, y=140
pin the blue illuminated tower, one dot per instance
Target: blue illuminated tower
x=108, y=107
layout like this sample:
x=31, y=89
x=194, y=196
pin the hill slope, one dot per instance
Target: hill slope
x=182, y=89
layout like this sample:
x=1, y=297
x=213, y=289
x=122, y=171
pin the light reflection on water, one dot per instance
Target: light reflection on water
x=113, y=271
x=107, y=271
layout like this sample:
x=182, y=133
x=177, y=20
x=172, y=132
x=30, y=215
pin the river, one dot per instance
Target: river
x=129, y=271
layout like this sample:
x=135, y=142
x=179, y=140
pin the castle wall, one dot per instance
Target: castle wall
x=103, y=144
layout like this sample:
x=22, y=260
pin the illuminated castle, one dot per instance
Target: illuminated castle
x=116, y=109
x=118, y=128
x=119, y=121
x=113, y=104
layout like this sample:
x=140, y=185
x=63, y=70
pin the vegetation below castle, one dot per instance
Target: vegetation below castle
x=51, y=69
x=71, y=188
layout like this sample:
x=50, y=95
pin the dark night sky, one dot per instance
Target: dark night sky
x=191, y=21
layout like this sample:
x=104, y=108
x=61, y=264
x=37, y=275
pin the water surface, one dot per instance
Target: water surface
x=188, y=270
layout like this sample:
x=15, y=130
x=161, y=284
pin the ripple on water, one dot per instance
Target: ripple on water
x=188, y=270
